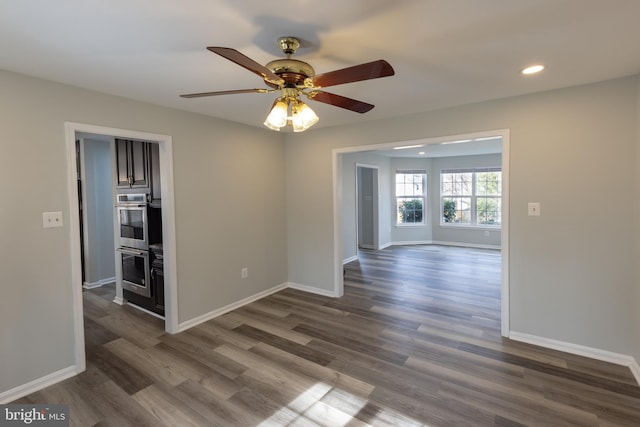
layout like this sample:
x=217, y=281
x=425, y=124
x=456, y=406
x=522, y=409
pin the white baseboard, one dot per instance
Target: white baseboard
x=118, y=300
x=101, y=282
x=410, y=242
x=39, y=384
x=385, y=246
x=351, y=259
x=438, y=242
x=635, y=370
x=220, y=311
x=137, y=307
x=593, y=353
x=466, y=245
x=312, y=290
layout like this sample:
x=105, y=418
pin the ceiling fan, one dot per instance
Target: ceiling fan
x=293, y=78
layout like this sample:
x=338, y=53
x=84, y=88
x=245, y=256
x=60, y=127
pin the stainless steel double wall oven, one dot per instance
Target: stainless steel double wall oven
x=138, y=226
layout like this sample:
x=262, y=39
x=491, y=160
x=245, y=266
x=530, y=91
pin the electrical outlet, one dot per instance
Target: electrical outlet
x=52, y=219
x=244, y=273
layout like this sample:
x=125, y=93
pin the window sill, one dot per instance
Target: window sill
x=411, y=225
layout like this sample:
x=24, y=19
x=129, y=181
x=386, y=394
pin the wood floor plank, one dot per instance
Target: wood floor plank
x=280, y=327
x=144, y=361
x=303, y=351
x=166, y=410
x=118, y=370
x=119, y=408
x=303, y=366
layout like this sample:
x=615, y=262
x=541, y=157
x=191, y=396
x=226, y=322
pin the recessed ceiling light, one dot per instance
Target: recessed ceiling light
x=460, y=141
x=408, y=146
x=486, y=138
x=533, y=69
x=421, y=153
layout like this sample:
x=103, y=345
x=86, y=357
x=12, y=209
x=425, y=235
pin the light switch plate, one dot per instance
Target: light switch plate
x=52, y=219
x=534, y=209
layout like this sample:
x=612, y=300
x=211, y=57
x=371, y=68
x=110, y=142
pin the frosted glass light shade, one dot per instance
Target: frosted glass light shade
x=303, y=117
x=277, y=118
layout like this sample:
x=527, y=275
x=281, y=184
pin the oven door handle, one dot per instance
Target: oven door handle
x=122, y=205
x=132, y=252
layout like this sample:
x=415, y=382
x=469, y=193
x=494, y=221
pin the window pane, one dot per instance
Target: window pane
x=410, y=210
x=409, y=184
x=456, y=184
x=488, y=210
x=456, y=210
x=488, y=183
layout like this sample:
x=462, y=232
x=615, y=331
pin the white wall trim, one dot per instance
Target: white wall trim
x=372, y=247
x=38, y=384
x=118, y=300
x=348, y=260
x=505, y=299
x=411, y=242
x=385, y=246
x=438, y=242
x=466, y=245
x=227, y=308
x=580, y=350
x=99, y=283
x=313, y=290
x=168, y=227
x=635, y=370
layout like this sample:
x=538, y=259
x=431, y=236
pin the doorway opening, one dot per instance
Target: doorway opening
x=448, y=144
x=367, y=206
x=165, y=149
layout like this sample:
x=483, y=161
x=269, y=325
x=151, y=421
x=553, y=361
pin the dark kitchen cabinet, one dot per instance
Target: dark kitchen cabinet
x=157, y=278
x=155, y=198
x=132, y=163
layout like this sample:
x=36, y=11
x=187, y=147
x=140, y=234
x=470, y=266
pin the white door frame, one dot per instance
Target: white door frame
x=338, y=290
x=168, y=226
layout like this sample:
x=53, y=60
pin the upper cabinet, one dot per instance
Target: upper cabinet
x=155, y=195
x=132, y=164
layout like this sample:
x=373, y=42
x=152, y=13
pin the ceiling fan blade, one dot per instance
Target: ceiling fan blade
x=370, y=70
x=223, y=92
x=246, y=62
x=341, y=101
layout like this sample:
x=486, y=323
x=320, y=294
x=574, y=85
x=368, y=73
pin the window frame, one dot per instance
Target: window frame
x=422, y=172
x=474, y=196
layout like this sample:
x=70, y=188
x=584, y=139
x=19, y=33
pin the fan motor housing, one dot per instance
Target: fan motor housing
x=292, y=71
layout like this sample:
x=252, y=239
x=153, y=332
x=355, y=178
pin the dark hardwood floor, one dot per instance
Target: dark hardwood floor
x=414, y=341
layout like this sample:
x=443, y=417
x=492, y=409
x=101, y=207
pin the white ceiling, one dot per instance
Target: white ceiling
x=445, y=52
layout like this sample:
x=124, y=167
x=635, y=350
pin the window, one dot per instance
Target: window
x=410, y=196
x=471, y=196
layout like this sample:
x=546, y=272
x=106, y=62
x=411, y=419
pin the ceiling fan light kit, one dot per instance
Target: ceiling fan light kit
x=289, y=110
x=293, y=78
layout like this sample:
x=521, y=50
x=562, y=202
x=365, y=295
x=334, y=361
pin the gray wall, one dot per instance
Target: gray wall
x=100, y=264
x=229, y=210
x=572, y=150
